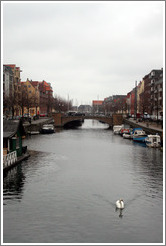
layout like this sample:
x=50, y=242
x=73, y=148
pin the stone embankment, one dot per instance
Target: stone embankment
x=36, y=125
x=148, y=127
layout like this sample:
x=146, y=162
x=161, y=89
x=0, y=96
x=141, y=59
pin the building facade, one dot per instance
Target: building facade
x=16, y=109
x=156, y=93
x=8, y=90
x=97, y=107
x=29, y=98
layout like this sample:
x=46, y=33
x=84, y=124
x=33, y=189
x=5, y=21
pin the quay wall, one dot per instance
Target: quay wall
x=147, y=127
x=36, y=125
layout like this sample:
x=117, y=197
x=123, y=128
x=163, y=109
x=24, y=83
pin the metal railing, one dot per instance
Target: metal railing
x=9, y=159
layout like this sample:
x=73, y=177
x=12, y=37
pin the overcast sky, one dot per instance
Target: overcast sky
x=86, y=50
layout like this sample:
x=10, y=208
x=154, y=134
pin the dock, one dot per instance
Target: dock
x=10, y=164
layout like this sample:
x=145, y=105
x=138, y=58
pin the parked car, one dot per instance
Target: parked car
x=71, y=113
x=79, y=114
x=43, y=115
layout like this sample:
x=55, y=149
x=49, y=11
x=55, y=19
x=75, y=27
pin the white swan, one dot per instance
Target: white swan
x=120, y=203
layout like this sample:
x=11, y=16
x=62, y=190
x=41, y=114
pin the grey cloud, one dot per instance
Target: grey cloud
x=102, y=46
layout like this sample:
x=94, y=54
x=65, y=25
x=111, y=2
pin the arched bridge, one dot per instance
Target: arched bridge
x=104, y=119
x=61, y=120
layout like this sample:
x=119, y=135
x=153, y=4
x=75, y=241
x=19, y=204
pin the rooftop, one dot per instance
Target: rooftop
x=10, y=128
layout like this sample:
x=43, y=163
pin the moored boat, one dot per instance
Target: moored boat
x=117, y=128
x=48, y=128
x=139, y=135
x=127, y=135
x=124, y=130
x=153, y=141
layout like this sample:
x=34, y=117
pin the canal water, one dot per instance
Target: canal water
x=66, y=191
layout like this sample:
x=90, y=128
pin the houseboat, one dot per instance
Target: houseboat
x=13, y=149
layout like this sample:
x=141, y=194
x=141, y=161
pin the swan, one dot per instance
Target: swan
x=120, y=203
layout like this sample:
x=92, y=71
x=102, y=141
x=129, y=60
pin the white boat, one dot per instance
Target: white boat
x=127, y=135
x=124, y=130
x=117, y=129
x=48, y=128
x=153, y=141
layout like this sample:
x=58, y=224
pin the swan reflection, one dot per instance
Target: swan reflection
x=120, y=212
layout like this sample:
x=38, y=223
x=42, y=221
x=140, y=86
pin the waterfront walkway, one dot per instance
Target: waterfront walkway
x=36, y=125
x=149, y=127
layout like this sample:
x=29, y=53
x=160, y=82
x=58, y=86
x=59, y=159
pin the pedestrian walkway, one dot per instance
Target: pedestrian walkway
x=39, y=121
x=149, y=127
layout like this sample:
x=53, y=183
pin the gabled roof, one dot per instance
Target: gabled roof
x=10, y=128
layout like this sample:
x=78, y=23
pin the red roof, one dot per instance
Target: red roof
x=10, y=65
x=34, y=83
x=48, y=89
x=97, y=102
x=45, y=83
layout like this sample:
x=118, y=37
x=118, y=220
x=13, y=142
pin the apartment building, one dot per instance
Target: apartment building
x=30, y=98
x=16, y=87
x=156, y=93
x=45, y=94
x=152, y=97
x=8, y=90
x=97, y=107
